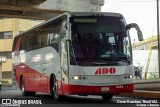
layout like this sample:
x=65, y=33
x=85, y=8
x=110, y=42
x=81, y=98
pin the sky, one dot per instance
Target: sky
x=142, y=12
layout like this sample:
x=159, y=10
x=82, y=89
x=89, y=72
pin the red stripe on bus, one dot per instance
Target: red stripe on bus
x=80, y=89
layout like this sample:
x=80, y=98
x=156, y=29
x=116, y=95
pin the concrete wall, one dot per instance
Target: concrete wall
x=73, y=5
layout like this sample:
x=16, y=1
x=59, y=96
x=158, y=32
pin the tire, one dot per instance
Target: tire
x=54, y=91
x=30, y=93
x=26, y=93
x=107, y=97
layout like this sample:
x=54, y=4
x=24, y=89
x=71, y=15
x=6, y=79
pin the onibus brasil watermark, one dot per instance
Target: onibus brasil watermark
x=17, y=103
x=140, y=103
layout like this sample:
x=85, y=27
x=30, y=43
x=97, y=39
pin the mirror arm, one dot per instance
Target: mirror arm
x=133, y=25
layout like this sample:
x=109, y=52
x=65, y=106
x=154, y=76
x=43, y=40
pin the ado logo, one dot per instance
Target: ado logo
x=102, y=71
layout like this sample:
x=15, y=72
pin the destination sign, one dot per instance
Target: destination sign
x=85, y=20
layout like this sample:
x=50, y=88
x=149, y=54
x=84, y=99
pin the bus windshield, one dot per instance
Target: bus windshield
x=99, y=38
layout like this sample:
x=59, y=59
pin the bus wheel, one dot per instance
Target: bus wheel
x=54, y=90
x=31, y=93
x=24, y=93
x=107, y=96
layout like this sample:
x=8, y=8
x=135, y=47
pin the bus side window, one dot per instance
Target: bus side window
x=35, y=43
x=44, y=40
x=28, y=43
x=53, y=41
x=22, y=44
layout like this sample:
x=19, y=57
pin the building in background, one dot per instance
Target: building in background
x=9, y=28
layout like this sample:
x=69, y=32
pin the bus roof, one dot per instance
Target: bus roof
x=73, y=14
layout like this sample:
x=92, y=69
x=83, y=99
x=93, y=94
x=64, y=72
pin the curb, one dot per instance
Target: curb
x=142, y=94
x=9, y=88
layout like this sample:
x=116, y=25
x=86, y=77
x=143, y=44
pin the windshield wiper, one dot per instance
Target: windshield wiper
x=113, y=59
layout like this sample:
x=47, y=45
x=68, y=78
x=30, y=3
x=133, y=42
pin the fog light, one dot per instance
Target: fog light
x=78, y=77
x=128, y=76
x=131, y=76
x=84, y=77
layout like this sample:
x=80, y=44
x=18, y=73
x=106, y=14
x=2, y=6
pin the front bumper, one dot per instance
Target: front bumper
x=94, y=90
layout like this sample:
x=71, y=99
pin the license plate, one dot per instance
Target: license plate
x=104, y=89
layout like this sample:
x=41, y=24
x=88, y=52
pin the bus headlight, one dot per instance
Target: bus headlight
x=128, y=76
x=75, y=77
x=78, y=77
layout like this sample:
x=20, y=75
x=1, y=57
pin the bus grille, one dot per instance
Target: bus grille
x=103, y=79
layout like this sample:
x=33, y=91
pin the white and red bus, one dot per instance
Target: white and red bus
x=86, y=53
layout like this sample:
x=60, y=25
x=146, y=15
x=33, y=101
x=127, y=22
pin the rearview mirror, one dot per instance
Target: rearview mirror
x=140, y=35
x=139, y=32
x=64, y=26
x=56, y=36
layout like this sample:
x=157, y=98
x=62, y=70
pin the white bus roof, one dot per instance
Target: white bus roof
x=74, y=14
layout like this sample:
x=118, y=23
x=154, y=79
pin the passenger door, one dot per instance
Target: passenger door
x=64, y=66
